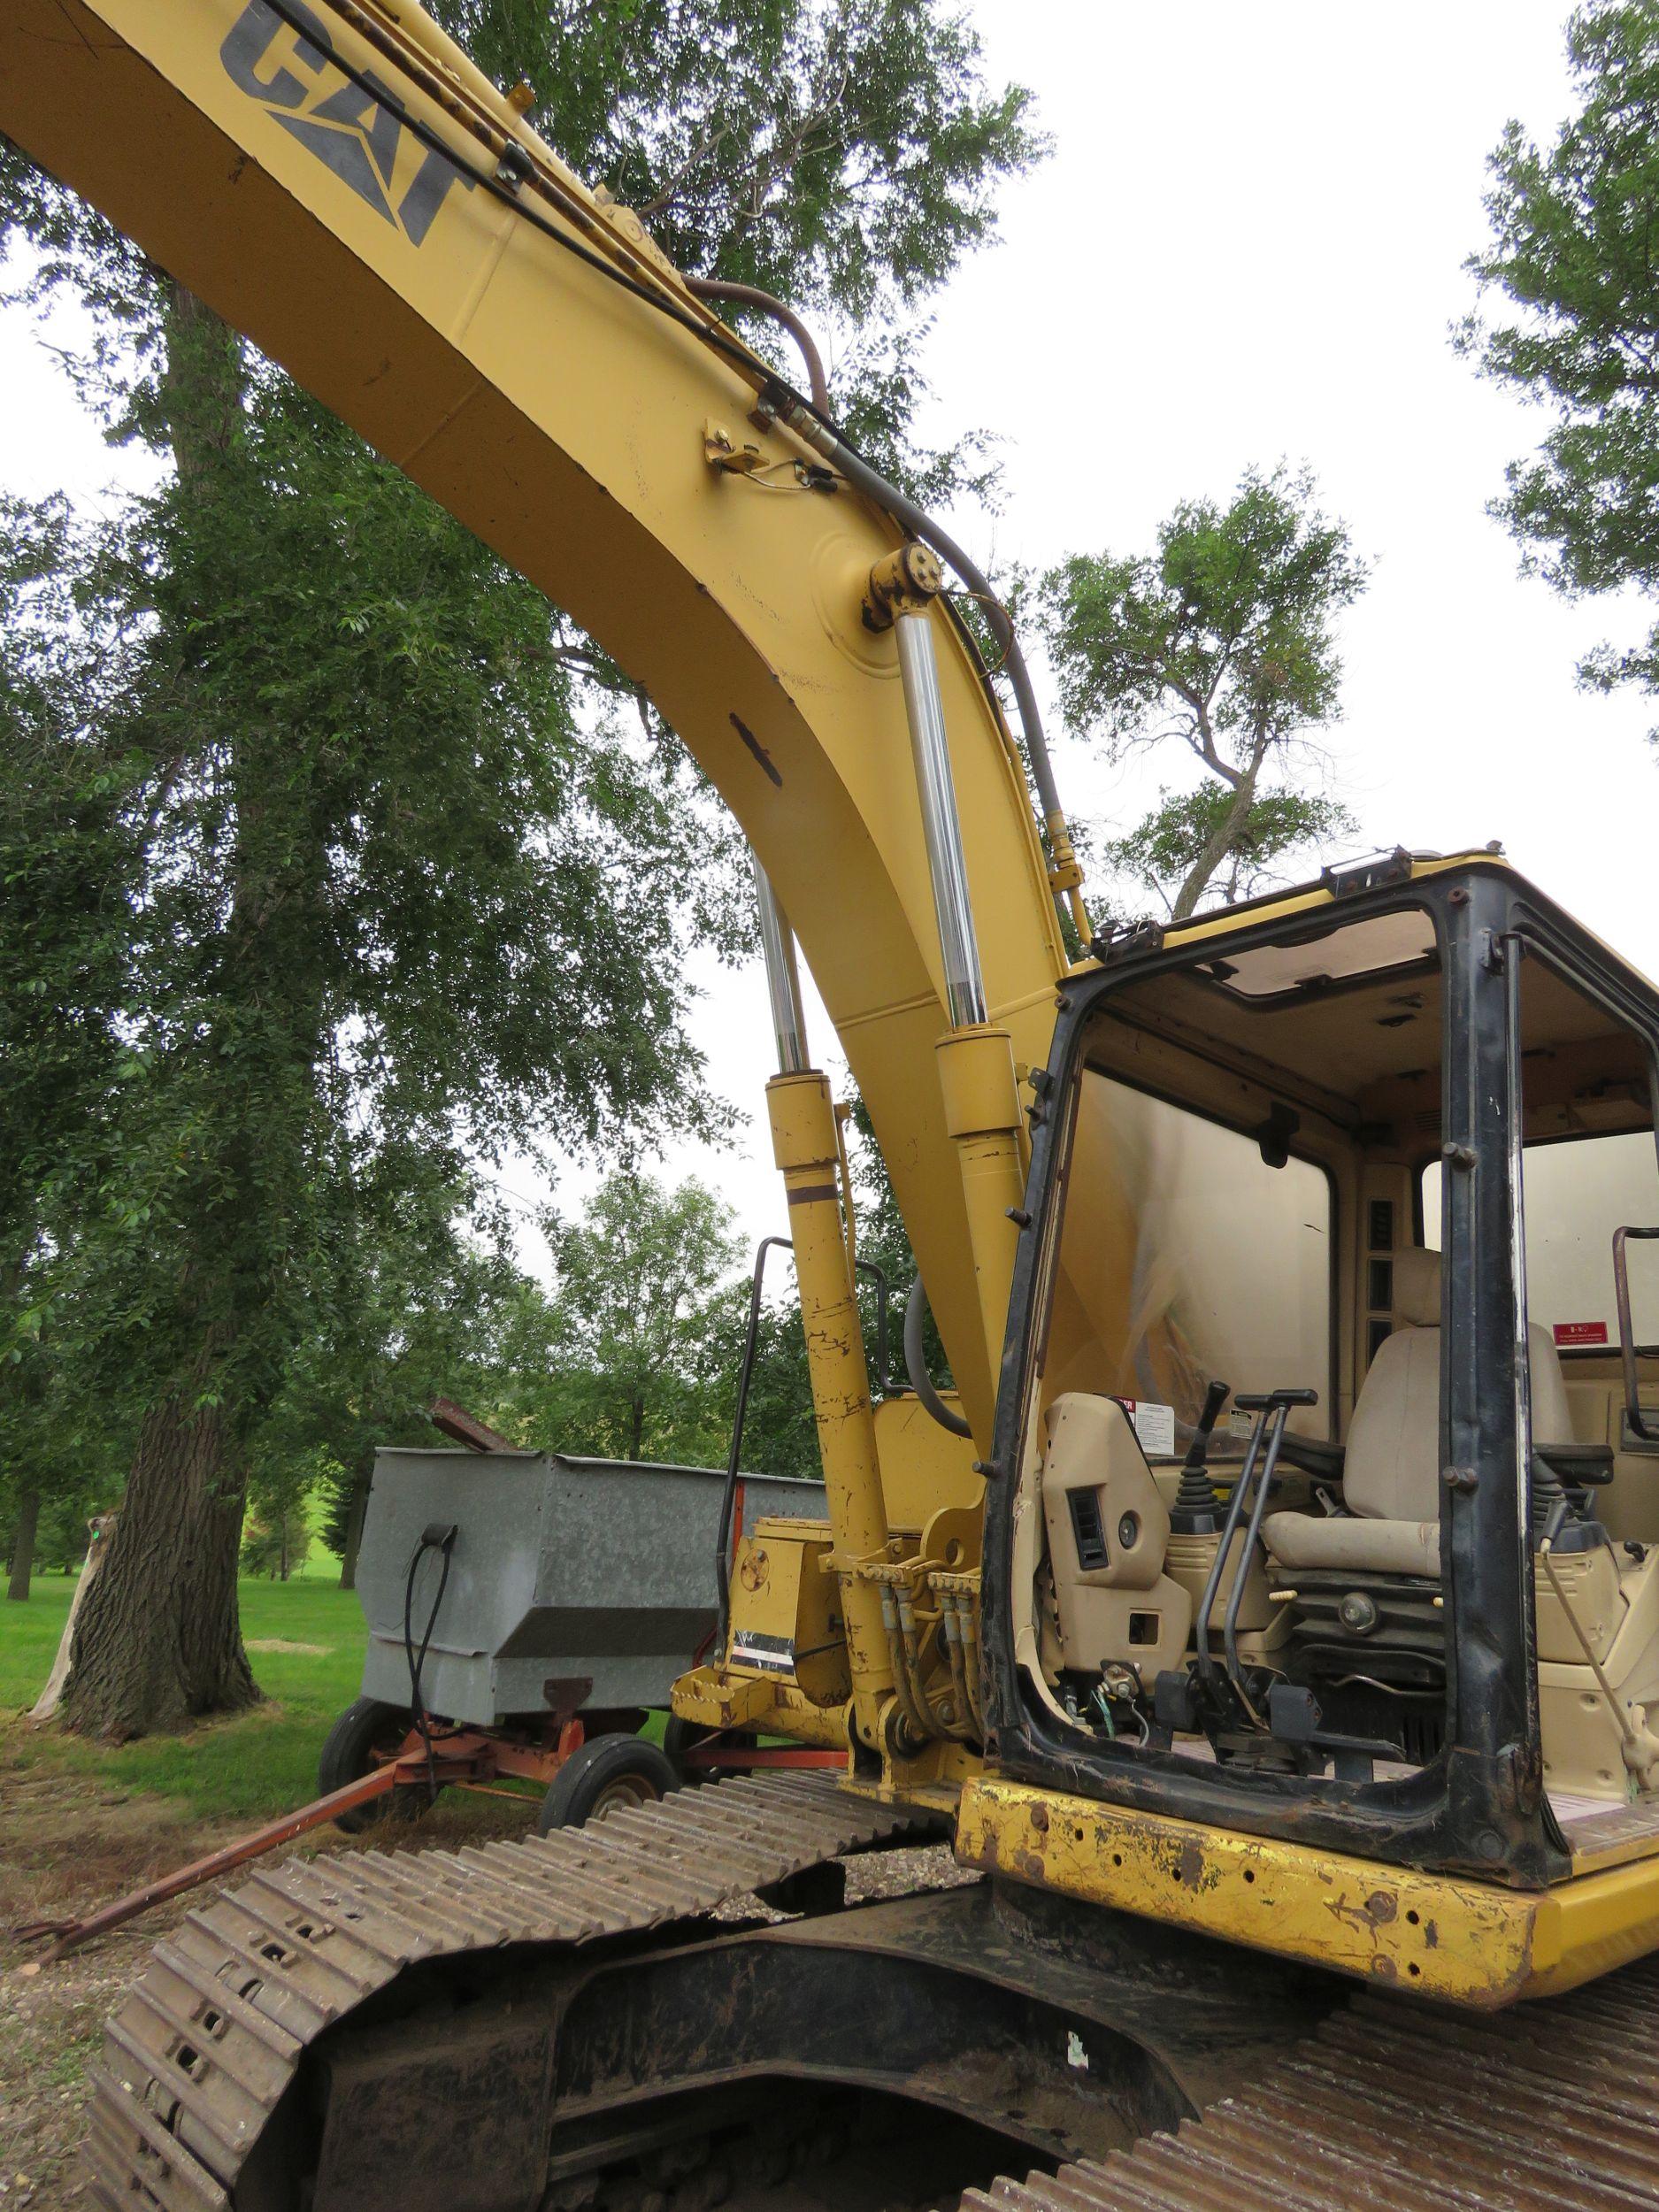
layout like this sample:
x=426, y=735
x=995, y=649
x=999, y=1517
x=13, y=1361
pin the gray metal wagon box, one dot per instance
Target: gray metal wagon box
x=561, y=1568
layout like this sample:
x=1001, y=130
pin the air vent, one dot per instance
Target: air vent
x=1087, y=1532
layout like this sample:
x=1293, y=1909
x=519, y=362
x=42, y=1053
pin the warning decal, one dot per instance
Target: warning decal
x=767, y=1654
x=1569, y=1333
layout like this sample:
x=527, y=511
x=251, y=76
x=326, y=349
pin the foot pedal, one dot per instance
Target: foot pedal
x=1175, y=1702
x=1293, y=1716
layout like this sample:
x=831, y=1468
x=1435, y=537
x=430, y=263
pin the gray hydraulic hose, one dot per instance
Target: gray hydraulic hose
x=916, y=1365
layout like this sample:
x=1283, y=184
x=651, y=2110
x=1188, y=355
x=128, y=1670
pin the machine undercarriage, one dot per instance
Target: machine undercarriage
x=578, y=2022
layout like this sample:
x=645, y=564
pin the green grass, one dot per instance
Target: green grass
x=247, y=1769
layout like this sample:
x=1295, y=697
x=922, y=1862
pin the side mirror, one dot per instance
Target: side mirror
x=1633, y=1414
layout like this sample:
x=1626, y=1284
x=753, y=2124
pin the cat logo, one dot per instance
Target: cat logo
x=350, y=123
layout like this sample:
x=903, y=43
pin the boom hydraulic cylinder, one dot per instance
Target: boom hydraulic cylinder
x=805, y=1146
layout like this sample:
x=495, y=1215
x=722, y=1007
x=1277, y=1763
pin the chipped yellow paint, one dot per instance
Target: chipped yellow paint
x=1393, y=1926
x=1466, y=1942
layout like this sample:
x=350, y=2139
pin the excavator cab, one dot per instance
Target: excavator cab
x=1331, y=1503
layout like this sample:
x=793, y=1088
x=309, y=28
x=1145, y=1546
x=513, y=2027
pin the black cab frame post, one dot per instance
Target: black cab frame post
x=1494, y=1777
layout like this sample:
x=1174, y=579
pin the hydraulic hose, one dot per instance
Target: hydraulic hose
x=441, y=1539
x=780, y=311
x=735, y=1458
x=916, y=1363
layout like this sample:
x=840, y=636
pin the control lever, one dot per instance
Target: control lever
x=1195, y=1512
x=1272, y=1409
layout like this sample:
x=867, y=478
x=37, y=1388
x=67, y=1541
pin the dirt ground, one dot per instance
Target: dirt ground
x=69, y=1843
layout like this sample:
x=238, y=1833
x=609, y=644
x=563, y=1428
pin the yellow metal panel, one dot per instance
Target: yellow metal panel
x=1436, y=1935
x=1387, y=1925
x=1589, y=1925
x=923, y=1466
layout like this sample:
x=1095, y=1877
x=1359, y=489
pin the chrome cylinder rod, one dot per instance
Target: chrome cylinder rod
x=964, y=987
x=783, y=978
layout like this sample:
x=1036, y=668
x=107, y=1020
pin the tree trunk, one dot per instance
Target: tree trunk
x=355, y=1519
x=159, y=1641
x=637, y=1433
x=1220, y=845
x=23, y=1545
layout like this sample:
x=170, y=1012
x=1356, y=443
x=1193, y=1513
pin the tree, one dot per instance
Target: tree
x=276, y=1538
x=1571, y=274
x=378, y=824
x=635, y=1312
x=1222, y=642
x=422, y=1300
x=66, y=879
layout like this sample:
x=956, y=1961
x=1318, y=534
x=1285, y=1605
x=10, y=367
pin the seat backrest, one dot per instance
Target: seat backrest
x=1392, y=1471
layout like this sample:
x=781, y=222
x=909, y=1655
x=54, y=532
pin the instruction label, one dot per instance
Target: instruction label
x=1154, y=1425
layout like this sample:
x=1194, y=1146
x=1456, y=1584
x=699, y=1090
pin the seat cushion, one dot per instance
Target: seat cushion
x=1383, y=1547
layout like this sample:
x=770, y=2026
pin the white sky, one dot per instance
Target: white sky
x=1247, y=245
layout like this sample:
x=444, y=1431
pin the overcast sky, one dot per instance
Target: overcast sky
x=1247, y=245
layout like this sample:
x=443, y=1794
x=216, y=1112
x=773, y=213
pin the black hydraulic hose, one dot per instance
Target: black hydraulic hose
x=916, y=1364
x=807, y=419
x=729, y=1498
x=879, y=1276
x=442, y=1542
x=507, y=188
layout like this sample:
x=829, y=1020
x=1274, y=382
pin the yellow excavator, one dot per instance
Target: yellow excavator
x=1269, y=1612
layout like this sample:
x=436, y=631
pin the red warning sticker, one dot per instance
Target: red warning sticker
x=1570, y=1333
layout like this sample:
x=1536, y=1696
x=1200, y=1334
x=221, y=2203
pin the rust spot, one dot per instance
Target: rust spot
x=1029, y=1867
x=1382, y=1905
x=1431, y=1935
x=1039, y=1819
x=1189, y=1868
x=753, y=1572
x=1384, y=1968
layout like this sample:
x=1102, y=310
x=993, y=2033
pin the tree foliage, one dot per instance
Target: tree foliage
x=1221, y=641
x=1570, y=282
x=635, y=1321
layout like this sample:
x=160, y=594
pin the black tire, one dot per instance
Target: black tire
x=609, y=1773
x=679, y=1736
x=365, y=1727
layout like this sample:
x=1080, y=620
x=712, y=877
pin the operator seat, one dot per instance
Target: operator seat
x=1391, y=1475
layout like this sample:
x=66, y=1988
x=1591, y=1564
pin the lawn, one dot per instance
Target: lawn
x=305, y=1639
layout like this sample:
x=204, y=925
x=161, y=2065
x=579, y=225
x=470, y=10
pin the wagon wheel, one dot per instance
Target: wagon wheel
x=364, y=1735
x=609, y=1773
